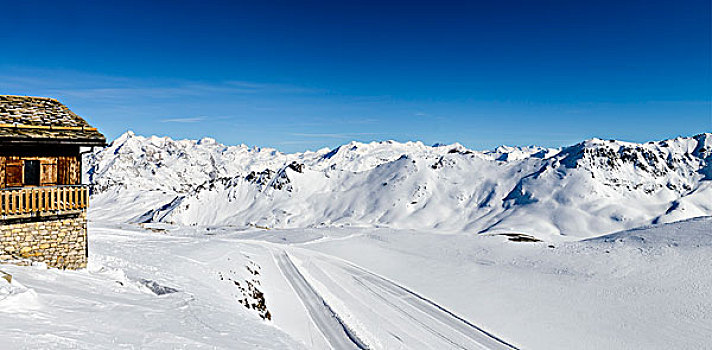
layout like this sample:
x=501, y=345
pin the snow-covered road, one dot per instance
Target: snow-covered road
x=403, y=318
x=421, y=310
x=329, y=324
x=421, y=323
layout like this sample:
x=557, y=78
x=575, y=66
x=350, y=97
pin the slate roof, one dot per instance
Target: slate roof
x=28, y=119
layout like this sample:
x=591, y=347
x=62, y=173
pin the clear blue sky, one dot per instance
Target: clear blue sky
x=315, y=74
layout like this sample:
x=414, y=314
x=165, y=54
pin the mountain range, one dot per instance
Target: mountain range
x=592, y=188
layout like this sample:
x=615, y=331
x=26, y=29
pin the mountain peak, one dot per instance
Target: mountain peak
x=530, y=189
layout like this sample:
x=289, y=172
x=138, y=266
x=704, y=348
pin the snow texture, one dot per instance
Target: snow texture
x=163, y=287
x=197, y=245
x=591, y=188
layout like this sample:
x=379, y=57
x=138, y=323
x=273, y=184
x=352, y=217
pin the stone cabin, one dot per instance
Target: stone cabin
x=43, y=202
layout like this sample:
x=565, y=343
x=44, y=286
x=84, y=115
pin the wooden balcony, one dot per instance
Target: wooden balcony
x=25, y=202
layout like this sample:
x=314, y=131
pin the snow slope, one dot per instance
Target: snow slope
x=164, y=287
x=141, y=290
x=591, y=188
x=646, y=288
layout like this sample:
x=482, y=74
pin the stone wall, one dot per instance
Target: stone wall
x=59, y=242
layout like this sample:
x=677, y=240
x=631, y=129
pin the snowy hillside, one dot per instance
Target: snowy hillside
x=164, y=287
x=591, y=188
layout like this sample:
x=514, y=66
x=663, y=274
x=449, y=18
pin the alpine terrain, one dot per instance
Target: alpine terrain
x=591, y=188
x=383, y=245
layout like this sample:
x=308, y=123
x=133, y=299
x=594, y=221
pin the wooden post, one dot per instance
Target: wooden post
x=20, y=201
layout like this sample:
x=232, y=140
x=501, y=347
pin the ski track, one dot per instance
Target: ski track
x=331, y=326
x=452, y=331
x=380, y=286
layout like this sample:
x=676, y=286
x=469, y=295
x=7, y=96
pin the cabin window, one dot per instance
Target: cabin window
x=32, y=173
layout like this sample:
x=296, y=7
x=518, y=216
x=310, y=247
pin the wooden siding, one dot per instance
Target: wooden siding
x=48, y=171
x=69, y=170
x=13, y=172
x=58, y=165
x=53, y=171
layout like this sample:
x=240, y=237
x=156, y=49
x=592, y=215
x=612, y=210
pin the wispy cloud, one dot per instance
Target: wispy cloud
x=335, y=135
x=183, y=120
x=97, y=86
x=297, y=142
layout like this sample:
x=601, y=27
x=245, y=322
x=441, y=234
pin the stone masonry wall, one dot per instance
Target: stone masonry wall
x=59, y=242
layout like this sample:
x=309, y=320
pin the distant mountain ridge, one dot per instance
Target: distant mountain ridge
x=590, y=188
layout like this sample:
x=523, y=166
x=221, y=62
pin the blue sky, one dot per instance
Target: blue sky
x=319, y=74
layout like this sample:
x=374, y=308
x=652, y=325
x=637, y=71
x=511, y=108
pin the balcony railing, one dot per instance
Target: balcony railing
x=45, y=200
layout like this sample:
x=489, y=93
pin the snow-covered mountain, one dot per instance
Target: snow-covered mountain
x=350, y=226
x=591, y=188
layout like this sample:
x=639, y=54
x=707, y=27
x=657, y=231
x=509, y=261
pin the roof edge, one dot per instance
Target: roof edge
x=47, y=141
x=42, y=98
x=47, y=127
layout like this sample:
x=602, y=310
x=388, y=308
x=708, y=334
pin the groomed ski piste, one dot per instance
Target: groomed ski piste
x=405, y=312
x=167, y=273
